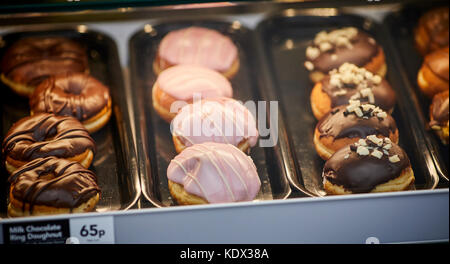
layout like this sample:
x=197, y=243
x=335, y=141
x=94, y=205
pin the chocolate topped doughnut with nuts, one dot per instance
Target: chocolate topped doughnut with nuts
x=350, y=82
x=348, y=124
x=330, y=50
x=372, y=164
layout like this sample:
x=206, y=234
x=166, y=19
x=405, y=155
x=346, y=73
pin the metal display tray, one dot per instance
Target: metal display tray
x=154, y=140
x=284, y=39
x=115, y=162
x=401, y=29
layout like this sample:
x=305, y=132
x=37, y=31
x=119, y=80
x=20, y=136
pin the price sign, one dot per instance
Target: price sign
x=83, y=230
x=92, y=230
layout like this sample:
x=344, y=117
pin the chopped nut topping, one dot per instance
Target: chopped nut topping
x=387, y=146
x=312, y=53
x=325, y=42
x=309, y=65
x=340, y=92
x=394, y=159
x=376, y=79
x=375, y=140
x=362, y=142
x=382, y=115
x=376, y=153
x=325, y=46
x=359, y=112
x=363, y=151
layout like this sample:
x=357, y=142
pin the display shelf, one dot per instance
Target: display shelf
x=406, y=217
x=371, y=218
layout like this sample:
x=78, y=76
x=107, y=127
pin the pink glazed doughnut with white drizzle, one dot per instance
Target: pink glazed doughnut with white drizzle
x=212, y=173
x=198, y=46
x=221, y=120
x=182, y=84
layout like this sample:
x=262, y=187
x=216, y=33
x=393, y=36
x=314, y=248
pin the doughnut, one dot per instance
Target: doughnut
x=330, y=50
x=31, y=60
x=212, y=173
x=220, y=120
x=431, y=32
x=433, y=75
x=371, y=165
x=439, y=116
x=351, y=83
x=46, y=186
x=347, y=124
x=74, y=94
x=180, y=85
x=198, y=46
x=44, y=135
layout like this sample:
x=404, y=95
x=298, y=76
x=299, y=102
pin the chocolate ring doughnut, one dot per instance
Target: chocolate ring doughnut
x=52, y=186
x=350, y=82
x=348, y=124
x=371, y=165
x=31, y=60
x=44, y=135
x=74, y=94
x=330, y=50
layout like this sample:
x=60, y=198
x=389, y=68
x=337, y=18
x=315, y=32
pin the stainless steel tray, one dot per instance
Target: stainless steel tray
x=400, y=26
x=115, y=162
x=154, y=140
x=283, y=39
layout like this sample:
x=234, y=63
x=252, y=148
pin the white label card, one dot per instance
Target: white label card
x=91, y=230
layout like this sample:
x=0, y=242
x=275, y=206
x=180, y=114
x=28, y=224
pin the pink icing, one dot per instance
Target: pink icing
x=183, y=81
x=199, y=46
x=216, y=172
x=221, y=120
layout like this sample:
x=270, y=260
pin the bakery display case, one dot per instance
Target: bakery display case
x=277, y=46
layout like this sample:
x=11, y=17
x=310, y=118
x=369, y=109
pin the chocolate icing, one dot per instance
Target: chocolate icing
x=72, y=94
x=439, y=109
x=361, y=174
x=31, y=60
x=44, y=135
x=53, y=182
x=362, y=52
x=339, y=124
x=436, y=24
x=383, y=93
x=438, y=62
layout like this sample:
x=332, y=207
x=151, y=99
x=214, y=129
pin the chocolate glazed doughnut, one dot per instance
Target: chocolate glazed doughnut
x=350, y=82
x=371, y=165
x=330, y=50
x=52, y=186
x=345, y=125
x=31, y=60
x=74, y=94
x=44, y=135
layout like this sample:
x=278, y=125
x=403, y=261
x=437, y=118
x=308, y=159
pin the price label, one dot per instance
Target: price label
x=91, y=230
